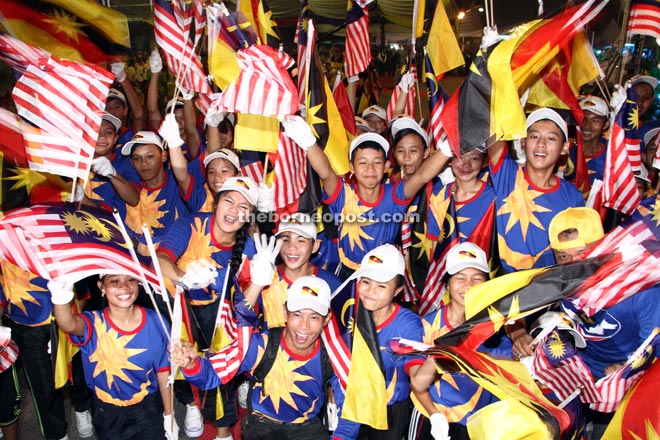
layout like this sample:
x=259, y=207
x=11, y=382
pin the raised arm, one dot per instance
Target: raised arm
x=429, y=169
x=134, y=102
x=299, y=131
x=190, y=123
x=169, y=131
x=61, y=296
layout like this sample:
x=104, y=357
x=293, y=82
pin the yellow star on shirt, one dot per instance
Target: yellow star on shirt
x=424, y=245
x=353, y=221
x=521, y=205
x=200, y=245
x=111, y=355
x=19, y=281
x=147, y=212
x=282, y=381
x=439, y=205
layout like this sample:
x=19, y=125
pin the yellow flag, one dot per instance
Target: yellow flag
x=256, y=133
x=442, y=46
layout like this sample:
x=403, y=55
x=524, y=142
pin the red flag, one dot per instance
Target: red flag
x=645, y=18
x=358, y=47
x=290, y=166
x=178, y=49
x=254, y=171
x=344, y=105
x=623, y=154
x=409, y=108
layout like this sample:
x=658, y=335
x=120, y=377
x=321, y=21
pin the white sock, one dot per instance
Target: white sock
x=225, y=438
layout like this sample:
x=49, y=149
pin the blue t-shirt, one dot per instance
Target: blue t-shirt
x=595, y=163
x=524, y=213
x=121, y=367
x=25, y=296
x=364, y=226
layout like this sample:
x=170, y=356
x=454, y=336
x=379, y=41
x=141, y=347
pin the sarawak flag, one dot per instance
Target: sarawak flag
x=644, y=18
x=55, y=241
x=358, y=46
x=68, y=29
x=366, y=397
x=638, y=415
x=560, y=82
x=512, y=296
x=623, y=158
x=261, y=17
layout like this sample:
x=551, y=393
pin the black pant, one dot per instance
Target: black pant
x=33, y=354
x=257, y=427
x=10, y=402
x=142, y=421
x=398, y=421
x=79, y=392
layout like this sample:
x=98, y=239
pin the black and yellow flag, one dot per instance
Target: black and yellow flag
x=261, y=18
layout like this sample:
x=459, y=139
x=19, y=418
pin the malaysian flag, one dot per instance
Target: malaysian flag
x=178, y=48
x=644, y=18
x=8, y=349
x=19, y=55
x=290, y=165
x=57, y=241
x=264, y=87
x=254, y=170
x=436, y=100
x=613, y=387
x=623, y=155
x=358, y=48
x=409, y=108
x=68, y=122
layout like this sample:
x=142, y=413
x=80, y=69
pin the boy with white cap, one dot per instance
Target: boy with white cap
x=286, y=402
x=529, y=195
x=370, y=211
x=447, y=401
x=297, y=233
x=594, y=123
x=160, y=200
x=376, y=118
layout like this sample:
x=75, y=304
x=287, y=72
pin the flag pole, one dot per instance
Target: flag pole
x=623, y=38
x=159, y=273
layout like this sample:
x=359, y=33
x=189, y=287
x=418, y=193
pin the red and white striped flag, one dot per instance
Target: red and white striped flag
x=564, y=379
x=58, y=241
x=645, y=18
x=613, y=387
x=66, y=101
x=436, y=101
x=358, y=47
x=18, y=55
x=409, y=108
x=254, y=171
x=178, y=48
x=619, y=188
x=290, y=165
x=264, y=87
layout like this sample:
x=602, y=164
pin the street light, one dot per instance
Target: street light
x=461, y=15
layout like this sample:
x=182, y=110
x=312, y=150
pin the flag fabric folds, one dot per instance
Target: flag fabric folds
x=442, y=46
x=436, y=100
x=644, y=18
x=261, y=17
x=178, y=49
x=623, y=158
x=344, y=105
x=358, y=46
x=409, y=107
x=68, y=29
x=290, y=165
x=55, y=241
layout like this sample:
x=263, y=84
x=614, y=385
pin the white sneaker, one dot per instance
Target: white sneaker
x=66, y=437
x=193, y=424
x=84, y=424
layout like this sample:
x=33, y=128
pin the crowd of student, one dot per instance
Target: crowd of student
x=183, y=181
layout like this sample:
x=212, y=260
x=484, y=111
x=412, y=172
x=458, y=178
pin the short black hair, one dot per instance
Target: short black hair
x=369, y=144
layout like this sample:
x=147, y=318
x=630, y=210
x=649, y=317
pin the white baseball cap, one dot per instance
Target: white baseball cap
x=549, y=114
x=375, y=110
x=361, y=123
x=116, y=94
x=381, y=264
x=561, y=322
x=114, y=120
x=408, y=123
x=223, y=153
x=644, y=79
x=372, y=138
x=243, y=185
x=595, y=105
x=298, y=223
x=173, y=103
x=648, y=137
x=465, y=255
x=309, y=292
x=141, y=138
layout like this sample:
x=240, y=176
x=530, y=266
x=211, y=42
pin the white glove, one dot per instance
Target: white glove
x=439, y=427
x=262, y=264
x=103, y=167
x=490, y=37
x=155, y=61
x=406, y=82
x=214, y=116
x=169, y=131
x=171, y=427
x=61, y=292
x=199, y=274
x=119, y=71
x=186, y=94
x=354, y=79
x=297, y=129
x=444, y=148
x=619, y=96
x=266, y=201
x=79, y=193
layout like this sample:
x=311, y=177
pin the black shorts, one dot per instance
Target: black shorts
x=142, y=421
x=10, y=403
x=257, y=427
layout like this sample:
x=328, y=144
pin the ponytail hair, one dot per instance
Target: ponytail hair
x=237, y=249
